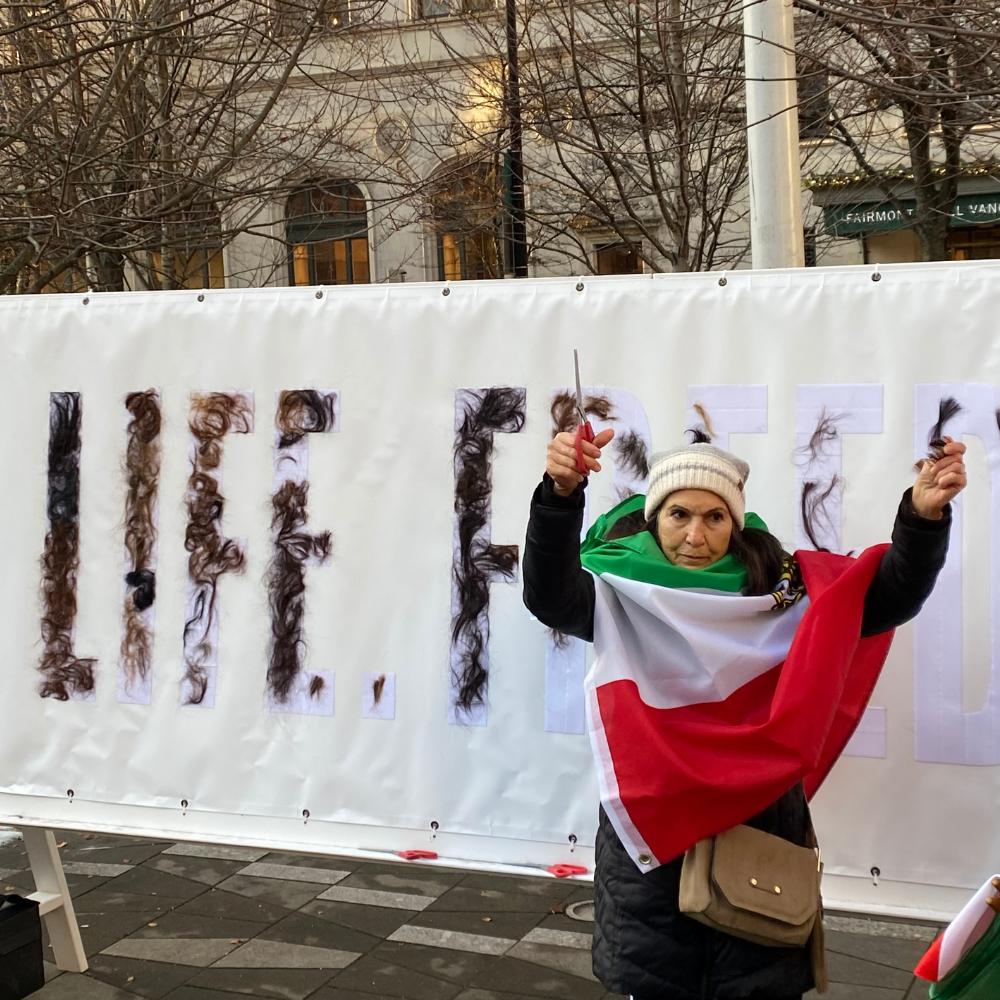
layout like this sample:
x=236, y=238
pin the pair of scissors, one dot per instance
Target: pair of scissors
x=584, y=432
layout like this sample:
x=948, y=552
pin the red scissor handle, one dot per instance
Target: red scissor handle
x=584, y=432
x=563, y=870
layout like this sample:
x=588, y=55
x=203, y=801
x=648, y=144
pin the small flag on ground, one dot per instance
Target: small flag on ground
x=963, y=963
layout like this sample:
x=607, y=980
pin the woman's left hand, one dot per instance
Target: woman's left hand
x=940, y=480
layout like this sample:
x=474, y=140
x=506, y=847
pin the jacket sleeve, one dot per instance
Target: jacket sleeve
x=558, y=591
x=909, y=568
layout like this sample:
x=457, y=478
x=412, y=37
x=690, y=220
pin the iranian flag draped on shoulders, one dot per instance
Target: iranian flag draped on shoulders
x=704, y=705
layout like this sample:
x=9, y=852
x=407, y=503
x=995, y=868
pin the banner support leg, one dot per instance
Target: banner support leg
x=54, y=904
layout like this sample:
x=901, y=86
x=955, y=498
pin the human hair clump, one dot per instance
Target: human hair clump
x=565, y=416
x=211, y=554
x=813, y=499
x=300, y=412
x=481, y=414
x=286, y=586
x=63, y=672
x=142, y=474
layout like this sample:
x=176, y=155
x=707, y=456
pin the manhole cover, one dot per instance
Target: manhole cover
x=584, y=910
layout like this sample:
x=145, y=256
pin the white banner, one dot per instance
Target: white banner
x=258, y=545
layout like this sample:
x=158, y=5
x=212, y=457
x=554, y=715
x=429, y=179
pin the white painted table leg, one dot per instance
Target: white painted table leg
x=54, y=903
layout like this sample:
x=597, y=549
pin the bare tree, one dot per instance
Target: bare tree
x=137, y=137
x=912, y=89
x=633, y=121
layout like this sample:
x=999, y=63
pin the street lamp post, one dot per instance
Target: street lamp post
x=773, y=134
x=515, y=228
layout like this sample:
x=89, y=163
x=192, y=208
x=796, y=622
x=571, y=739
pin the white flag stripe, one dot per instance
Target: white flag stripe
x=728, y=640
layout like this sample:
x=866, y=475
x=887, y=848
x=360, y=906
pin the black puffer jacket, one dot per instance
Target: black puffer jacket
x=642, y=944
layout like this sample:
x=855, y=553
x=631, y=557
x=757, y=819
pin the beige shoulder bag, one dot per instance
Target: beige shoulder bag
x=759, y=887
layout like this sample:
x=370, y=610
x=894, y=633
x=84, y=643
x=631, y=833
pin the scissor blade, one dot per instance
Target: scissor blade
x=579, y=391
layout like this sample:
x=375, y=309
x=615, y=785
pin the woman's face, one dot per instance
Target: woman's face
x=694, y=528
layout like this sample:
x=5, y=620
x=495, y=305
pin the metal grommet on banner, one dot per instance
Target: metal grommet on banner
x=305, y=815
x=319, y=294
x=723, y=280
x=876, y=276
x=572, y=842
x=184, y=805
x=69, y=795
x=446, y=290
x=875, y=872
x=579, y=286
x=201, y=297
x=86, y=300
x=434, y=828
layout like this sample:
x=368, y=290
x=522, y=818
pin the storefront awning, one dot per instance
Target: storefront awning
x=877, y=217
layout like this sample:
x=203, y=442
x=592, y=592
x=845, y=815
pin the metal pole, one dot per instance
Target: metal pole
x=516, y=228
x=773, y=134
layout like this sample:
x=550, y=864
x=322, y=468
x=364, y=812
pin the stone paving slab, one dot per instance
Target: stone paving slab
x=570, y=960
x=262, y=954
x=99, y=930
x=518, y=976
x=559, y=938
x=483, y=922
x=199, y=952
x=233, y=906
x=215, y=851
x=325, y=876
x=288, y=893
x=71, y=986
x=95, y=868
x=283, y=984
x=459, y=967
x=376, y=920
x=404, y=878
x=306, y=929
x=149, y=882
x=152, y=980
x=370, y=975
x=207, y=871
x=377, y=897
x=176, y=924
x=434, y=937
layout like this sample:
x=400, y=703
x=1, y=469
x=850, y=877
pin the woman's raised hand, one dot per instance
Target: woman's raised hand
x=560, y=458
x=940, y=480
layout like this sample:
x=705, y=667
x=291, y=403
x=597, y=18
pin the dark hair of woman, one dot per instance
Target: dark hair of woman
x=759, y=551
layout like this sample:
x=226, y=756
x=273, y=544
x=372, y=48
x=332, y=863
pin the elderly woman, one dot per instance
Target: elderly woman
x=712, y=612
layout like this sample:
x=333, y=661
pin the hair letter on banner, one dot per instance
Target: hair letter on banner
x=565, y=655
x=944, y=733
x=64, y=674
x=476, y=562
x=823, y=415
x=142, y=478
x=213, y=416
x=731, y=409
x=300, y=412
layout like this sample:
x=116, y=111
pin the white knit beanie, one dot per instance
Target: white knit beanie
x=698, y=467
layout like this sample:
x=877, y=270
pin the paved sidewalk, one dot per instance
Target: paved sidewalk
x=190, y=922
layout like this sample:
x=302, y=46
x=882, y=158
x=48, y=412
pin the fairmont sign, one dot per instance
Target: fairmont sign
x=847, y=220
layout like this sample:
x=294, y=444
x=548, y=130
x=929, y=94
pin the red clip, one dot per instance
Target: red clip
x=565, y=870
x=417, y=855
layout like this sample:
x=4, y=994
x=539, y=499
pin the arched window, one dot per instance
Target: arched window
x=327, y=233
x=466, y=214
